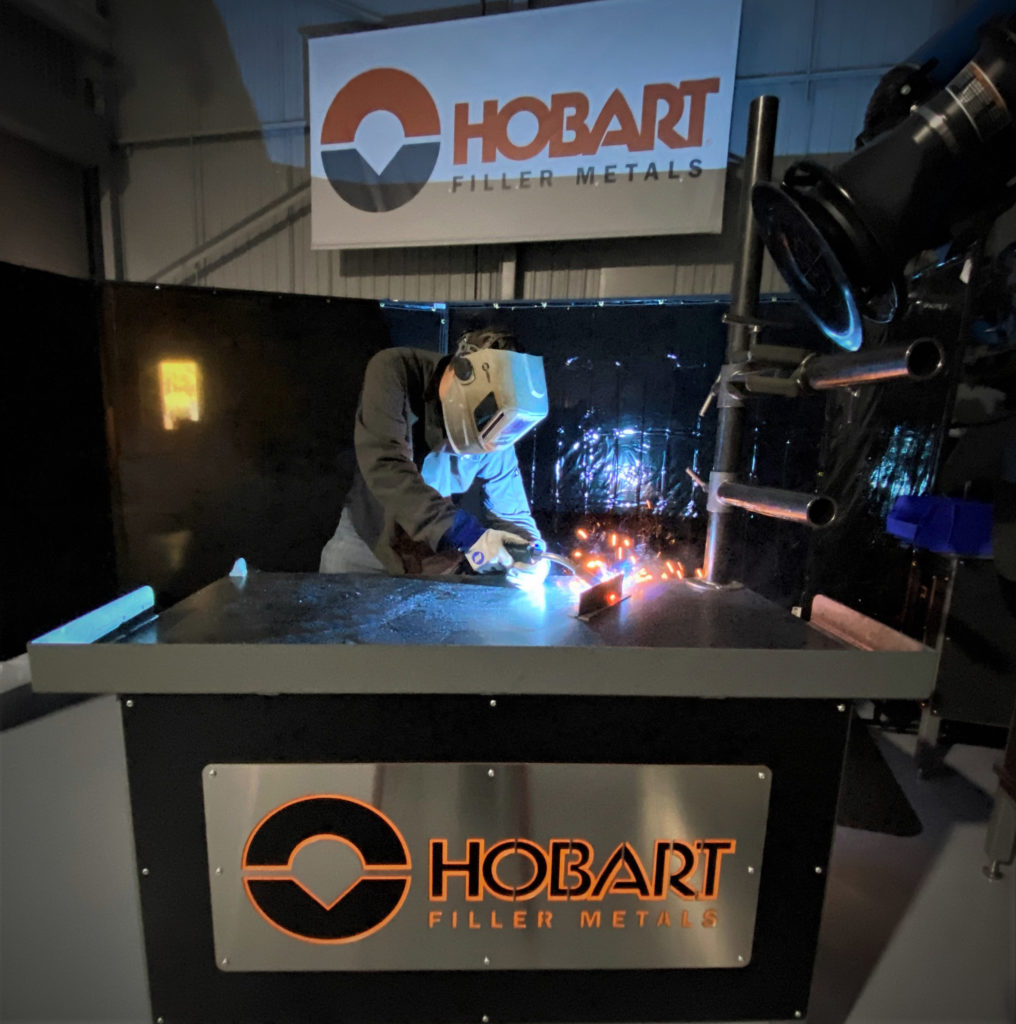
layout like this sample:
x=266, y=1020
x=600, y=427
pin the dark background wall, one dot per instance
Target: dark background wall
x=263, y=472
x=57, y=558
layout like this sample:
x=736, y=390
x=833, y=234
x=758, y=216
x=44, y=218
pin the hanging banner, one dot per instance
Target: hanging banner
x=593, y=120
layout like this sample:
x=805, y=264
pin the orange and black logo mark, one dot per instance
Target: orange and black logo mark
x=366, y=905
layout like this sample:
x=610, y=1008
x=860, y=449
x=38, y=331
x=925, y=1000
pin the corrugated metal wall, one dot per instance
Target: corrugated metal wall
x=214, y=188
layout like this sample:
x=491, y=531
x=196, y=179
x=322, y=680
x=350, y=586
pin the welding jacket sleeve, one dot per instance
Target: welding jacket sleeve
x=504, y=495
x=391, y=406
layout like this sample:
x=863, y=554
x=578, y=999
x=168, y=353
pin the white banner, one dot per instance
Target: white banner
x=585, y=121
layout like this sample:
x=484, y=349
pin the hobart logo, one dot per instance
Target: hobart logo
x=567, y=127
x=278, y=888
x=352, y=177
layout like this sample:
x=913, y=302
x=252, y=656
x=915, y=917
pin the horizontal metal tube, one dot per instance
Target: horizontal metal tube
x=920, y=360
x=811, y=509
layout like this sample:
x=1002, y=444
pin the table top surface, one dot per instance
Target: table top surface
x=311, y=633
x=469, y=611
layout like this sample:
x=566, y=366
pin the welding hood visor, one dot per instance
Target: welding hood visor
x=492, y=398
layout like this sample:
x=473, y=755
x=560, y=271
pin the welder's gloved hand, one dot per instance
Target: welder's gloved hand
x=488, y=553
x=529, y=575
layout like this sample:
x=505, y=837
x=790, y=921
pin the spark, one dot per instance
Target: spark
x=699, y=574
x=582, y=534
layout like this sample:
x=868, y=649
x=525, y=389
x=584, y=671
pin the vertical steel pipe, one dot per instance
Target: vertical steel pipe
x=758, y=166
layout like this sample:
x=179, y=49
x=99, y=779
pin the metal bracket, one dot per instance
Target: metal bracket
x=757, y=324
x=714, y=504
x=728, y=390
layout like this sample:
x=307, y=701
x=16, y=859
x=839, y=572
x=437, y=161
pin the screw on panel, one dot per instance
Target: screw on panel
x=212, y=771
x=160, y=1020
x=798, y=1015
x=145, y=871
x=129, y=703
x=486, y=961
x=841, y=707
x=224, y=961
x=485, y=1019
x=762, y=775
x=493, y=703
x=751, y=870
x=218, y=871
x=490, y=772
x=818, y=870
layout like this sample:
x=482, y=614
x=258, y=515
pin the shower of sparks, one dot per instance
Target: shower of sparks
x=605, y=554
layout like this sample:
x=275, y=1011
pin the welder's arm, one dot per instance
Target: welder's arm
x=384, y=454
x=504, y=496
x=507, y=508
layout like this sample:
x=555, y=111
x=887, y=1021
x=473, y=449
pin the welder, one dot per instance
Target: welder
x=429, y=429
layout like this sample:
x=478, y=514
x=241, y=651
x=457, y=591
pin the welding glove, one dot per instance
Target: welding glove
x=488, y=553
x=529, y=575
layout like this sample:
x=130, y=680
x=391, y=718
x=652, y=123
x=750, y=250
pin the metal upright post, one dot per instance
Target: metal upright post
x=758, y=166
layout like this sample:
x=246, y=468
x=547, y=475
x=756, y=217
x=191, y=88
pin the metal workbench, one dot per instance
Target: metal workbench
x=376, y=799
x=290, y=633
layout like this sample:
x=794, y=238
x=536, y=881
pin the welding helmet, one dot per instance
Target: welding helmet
x=491, y=395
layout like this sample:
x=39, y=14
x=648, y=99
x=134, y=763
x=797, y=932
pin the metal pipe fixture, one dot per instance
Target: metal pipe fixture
x=815, y=510
x=758, y=166
x=919, y=361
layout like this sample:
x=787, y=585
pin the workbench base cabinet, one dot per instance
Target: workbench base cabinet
x=458, y=858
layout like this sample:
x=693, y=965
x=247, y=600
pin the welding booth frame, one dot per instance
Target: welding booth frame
x=244, y=672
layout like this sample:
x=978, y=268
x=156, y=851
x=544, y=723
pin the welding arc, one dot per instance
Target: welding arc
x=572, y=567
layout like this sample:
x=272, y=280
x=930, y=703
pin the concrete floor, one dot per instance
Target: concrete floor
x=912, y=931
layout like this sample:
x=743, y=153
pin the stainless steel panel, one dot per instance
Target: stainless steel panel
x=603, y=866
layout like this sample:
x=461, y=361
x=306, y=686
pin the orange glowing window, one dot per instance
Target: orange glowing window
x=180, y=387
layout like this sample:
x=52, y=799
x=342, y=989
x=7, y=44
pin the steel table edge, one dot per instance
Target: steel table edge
x=400, y=669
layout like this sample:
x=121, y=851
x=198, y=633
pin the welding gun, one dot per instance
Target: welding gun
x=532, y=552
x=529, y=567
x=527, y=553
